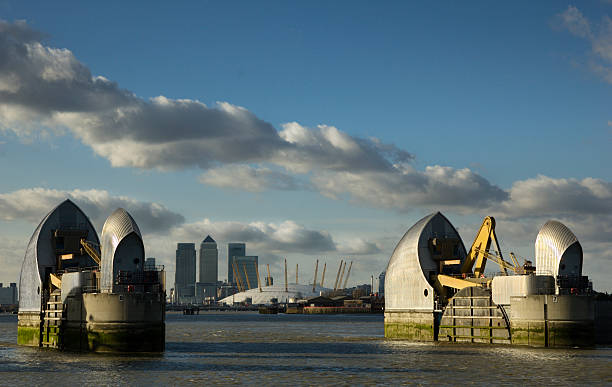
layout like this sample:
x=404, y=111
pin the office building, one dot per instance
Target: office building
x=209, y=270
x=233, y=250
x=8, y=295
x=247, y=268
x=149, y=264
x=185, y=276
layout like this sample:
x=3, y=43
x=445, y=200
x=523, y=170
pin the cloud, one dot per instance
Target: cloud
x=276, y=238
x=359, y=246
x=34, y=203
x=328, y=148
x=248, y=178
x=12, y=251
x=46, y=86
x=545, y=196
x=599, y=35
x=47, y=90
x=404, y=188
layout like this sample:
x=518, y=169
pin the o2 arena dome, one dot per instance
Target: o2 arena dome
x=267, y=293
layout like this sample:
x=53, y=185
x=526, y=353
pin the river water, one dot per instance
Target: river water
x=248, y=348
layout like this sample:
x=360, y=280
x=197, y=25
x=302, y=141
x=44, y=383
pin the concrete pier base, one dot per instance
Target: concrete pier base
x=115, y=322
x=410, y=325
x=125, y=322
x=28, y=329
x=553, y=321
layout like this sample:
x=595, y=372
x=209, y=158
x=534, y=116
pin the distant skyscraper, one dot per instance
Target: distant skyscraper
x=381, y=282
x=149, y=264
x=209, y=270
x=233, y=250
x=247, y=264
x=185, y=276
x=8, y=295
x=209, y=258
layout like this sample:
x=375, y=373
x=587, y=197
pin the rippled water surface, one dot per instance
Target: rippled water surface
x=248, y=348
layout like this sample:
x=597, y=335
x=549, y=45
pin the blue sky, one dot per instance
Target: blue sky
x=517, y=93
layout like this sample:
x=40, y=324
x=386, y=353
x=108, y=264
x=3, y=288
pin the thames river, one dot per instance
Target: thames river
x=248, y=348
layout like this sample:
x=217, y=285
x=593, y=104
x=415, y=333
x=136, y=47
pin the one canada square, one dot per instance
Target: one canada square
x=209, y=268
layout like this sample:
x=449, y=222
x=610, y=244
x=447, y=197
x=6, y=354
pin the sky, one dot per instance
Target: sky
x=309, y=130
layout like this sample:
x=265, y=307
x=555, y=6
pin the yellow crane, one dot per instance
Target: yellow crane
x=92, y=250
x=476, y=256
x=269, y=277
x=514, y=266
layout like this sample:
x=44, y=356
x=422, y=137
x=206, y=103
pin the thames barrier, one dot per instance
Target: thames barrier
x=78, y=293
x=436, y=290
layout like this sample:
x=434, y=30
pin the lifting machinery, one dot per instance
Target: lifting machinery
x=269, y=278
x=92, y=250
x=471, y=272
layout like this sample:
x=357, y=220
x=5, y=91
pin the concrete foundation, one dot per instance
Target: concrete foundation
x=104, y=322
x=125, y=322
x=111, y=322
x=28, y=329
x=603, y=322
x=410, y=325
x=553, y=321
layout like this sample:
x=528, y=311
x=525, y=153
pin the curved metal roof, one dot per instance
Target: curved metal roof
x=406, y=279
x=552, y=245
x=40, y=253
x=275, y=291
x=118, y=226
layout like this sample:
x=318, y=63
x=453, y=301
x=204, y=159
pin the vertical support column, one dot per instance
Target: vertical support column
x=472, y=314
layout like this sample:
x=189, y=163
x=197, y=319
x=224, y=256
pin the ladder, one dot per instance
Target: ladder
x=51, y=329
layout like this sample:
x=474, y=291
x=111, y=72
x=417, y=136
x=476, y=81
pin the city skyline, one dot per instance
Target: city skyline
x=312, y=130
